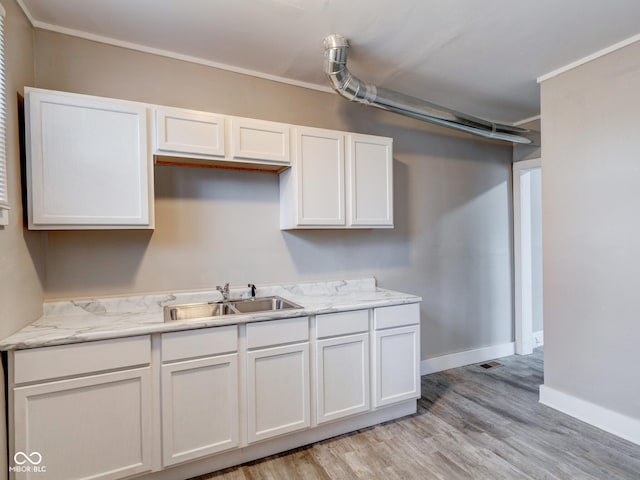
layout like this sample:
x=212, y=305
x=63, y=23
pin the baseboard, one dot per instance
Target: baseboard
x=538, y=339
x=600, y=417
x=468, y=357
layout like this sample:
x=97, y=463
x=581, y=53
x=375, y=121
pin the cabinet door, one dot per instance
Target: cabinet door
x=370, y=167
x=88, y=163
x=96, y=427
x=199, y=408
x=320, y=177
x=277, y=390
x=342, y=376
x=181, y=132
x=260, y=140
x=397, y=359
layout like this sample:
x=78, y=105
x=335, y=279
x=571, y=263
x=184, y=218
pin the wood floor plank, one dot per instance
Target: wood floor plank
x=471, y=424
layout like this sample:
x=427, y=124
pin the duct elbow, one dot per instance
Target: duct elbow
x=341, y=80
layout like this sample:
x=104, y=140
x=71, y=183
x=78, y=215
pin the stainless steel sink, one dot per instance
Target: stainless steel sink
x=193, y=311
x=264, y=304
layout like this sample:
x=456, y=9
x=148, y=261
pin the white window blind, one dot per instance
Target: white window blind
x=4, y=197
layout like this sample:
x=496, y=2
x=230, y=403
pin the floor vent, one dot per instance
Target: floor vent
x=489, y=365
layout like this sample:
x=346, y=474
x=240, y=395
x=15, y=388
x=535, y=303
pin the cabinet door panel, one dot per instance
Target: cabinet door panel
x=342, y=376
x=96, y=427
x=187, y=132
x=370, y=165
x=88, y=162
x=260, y=140
x=321, y=186
x=199, y=408
x=278, y=391
x=396, y=356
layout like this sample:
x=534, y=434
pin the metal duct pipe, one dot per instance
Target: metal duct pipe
x=343, y=82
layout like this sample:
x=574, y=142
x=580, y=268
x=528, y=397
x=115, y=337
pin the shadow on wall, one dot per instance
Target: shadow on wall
x=356, y=251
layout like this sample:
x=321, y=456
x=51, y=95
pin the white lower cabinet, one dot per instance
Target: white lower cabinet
x=278, y=379
x=199, y=393
x=342, y=365
x=396, y=354
x=117, y=409
x=96, y=427
x=199, y=408
x=342, y=376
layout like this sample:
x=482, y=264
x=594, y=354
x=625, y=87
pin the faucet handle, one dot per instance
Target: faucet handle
x=224, y=291
x=253, y=290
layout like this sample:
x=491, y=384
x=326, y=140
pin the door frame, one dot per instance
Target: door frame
x=522, y=253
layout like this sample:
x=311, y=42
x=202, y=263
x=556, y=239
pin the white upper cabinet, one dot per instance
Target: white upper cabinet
x=260, y=140
x=192, y=137
x=318, y=179
x=88, y=165
x=337, y=180
x=188, y=133
x=370, y=172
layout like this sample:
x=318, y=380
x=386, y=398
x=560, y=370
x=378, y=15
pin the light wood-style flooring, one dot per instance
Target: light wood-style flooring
x=471, y=424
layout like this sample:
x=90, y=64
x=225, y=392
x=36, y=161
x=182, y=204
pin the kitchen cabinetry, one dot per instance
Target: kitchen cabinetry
x=277, y=378
x=191, y=137
x=342, y=365
x=370, y=176
x=92, y=425
x=260, y=140
x=199, y=393
x=188, y=133
x=182, y=403
x=88, y=165
x=396, y=354
x=337, y=180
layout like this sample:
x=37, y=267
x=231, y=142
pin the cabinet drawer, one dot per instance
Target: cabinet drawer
x=396, y=316
x=277, y=332
x=199, y=343
x=65, y=360
x=342, y=323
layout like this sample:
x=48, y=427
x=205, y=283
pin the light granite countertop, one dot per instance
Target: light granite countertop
x=92, y=319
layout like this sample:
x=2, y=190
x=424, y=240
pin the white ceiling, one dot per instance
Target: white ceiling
x=479, y=57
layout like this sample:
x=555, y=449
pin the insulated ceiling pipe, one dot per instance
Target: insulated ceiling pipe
x=343, y=82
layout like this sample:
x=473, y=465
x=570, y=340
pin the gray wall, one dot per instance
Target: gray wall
x=591, y=222
x=451, y=244
x=21, y=252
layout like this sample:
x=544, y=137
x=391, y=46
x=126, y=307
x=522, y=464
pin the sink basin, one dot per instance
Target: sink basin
x=194, y=311
x=265, y=304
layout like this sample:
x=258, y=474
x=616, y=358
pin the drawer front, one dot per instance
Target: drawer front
x=199, y=343
x=343, y=323
x=277, y=332
x=81, y=358
x=396, y=316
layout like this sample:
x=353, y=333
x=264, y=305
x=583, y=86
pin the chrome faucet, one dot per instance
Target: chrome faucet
x=224, y=291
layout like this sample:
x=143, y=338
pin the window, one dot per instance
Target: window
x=4, y=198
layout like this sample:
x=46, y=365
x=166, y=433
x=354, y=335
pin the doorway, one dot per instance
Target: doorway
x=527, y=242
